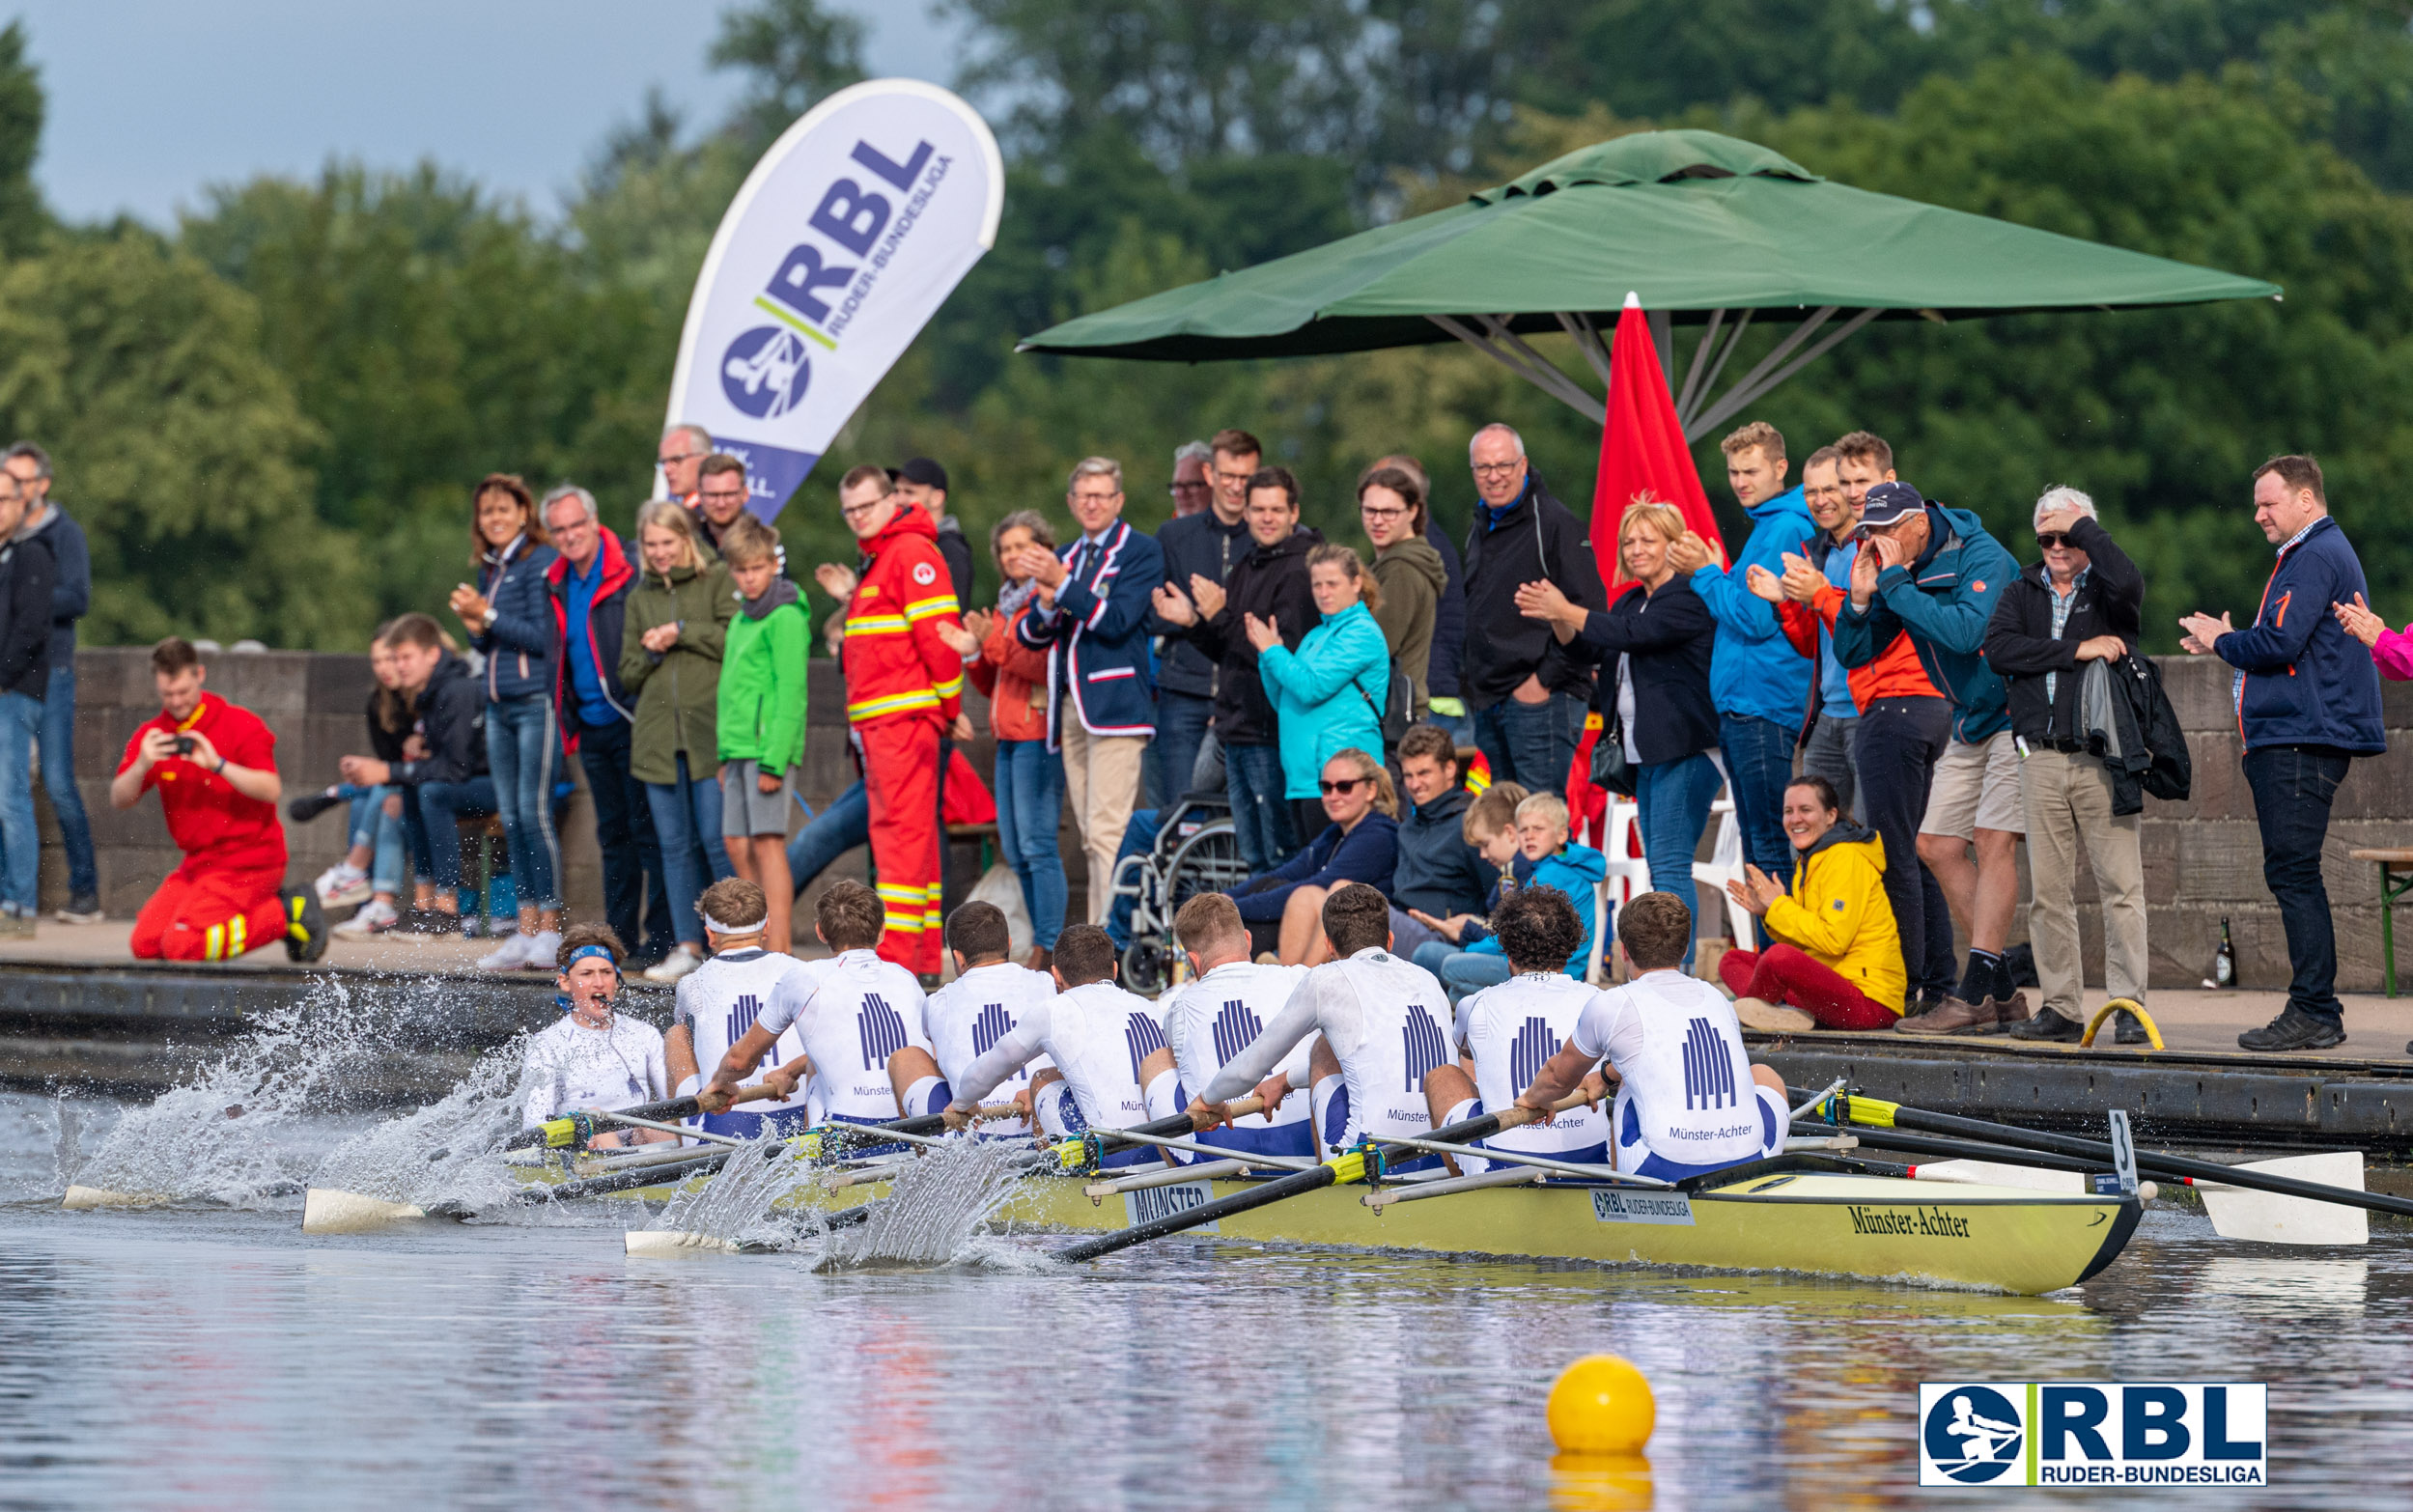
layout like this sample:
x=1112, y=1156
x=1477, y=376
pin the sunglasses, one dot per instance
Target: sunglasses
x=2049, y=539
x=1329, y=785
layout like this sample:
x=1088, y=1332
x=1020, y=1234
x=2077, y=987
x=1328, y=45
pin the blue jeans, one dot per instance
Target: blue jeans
x=58, y=774
x=1462, y=972
x=382, y=833
x=686, y=816
x=21, y=841
x=2292, y=790
x=624, y=831
x=1531, y=745
x=833, y=831
x=1253, y=780
x=523, y=749
x=1030, y=809
x=1758, y=764
x=1180, y=727
x=429, y=811
x=1673, y=798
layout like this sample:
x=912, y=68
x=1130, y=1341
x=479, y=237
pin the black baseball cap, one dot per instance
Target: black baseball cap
x=923, y=470
x=1889, y=503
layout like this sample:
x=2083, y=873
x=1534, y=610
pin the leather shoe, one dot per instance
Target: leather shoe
x=2294, y=1029
x=1955, y=1016
x=2050, y=1026
x=2128, y=1030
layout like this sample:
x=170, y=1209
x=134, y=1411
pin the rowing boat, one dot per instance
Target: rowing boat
x=1791, y=1213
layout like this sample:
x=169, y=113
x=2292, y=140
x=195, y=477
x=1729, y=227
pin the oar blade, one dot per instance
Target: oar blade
x=325, y=1210
x=2269, y=1218
x=85, y=1199
x=672, y=1243
x=1988, y=1173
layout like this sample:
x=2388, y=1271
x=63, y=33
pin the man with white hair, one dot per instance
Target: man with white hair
x=684, y=448
x=1529, y=693
x=2083, y=601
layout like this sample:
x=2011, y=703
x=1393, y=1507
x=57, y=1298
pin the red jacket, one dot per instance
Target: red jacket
x=211, y=823
x=1015, y=678
x=895, y=664
x=1897, y=673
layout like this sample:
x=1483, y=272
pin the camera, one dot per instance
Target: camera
x=183, y=745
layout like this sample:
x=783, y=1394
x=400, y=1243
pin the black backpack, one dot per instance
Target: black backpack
x=1392, y=714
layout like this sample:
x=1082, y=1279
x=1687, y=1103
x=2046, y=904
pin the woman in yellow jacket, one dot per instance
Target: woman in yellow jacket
x=1839, y=965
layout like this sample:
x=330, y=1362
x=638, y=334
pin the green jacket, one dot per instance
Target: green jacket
x=762, y=681
x=678, y=691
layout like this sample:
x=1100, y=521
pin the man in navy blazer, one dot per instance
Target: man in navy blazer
x=1091, y=618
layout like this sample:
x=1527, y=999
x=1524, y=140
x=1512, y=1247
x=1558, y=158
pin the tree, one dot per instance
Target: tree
x=22, y=218
x=795, y=53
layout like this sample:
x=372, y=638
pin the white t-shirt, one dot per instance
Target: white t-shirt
x=1098, y=1035
x=968, y=1017
x=851, y=1013
x=1386, y=1020
x=1217, y=1016
x=1511, y=1031
x=568, y=1065
x=1678, y=1045
x=719, y=1000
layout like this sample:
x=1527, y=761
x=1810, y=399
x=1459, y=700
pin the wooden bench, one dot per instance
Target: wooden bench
x=2395, y=879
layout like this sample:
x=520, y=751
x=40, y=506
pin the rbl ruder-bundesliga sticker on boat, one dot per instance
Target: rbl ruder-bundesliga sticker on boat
x=2093, y=1433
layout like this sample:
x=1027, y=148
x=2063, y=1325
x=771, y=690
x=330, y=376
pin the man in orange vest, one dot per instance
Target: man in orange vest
x=904, y=686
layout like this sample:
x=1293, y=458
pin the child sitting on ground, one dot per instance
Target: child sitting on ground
x=1541, y=835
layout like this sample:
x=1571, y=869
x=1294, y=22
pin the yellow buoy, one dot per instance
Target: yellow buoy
x=1601, y=1405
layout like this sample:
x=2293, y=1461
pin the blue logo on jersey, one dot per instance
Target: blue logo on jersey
x=1234, y=1027
x=881, y=1030
x=1708, y=1069
x=1529, y=1051
x=1145, y=1037
x=990, y=1026
x=1421, y=1046
x=741, y=1016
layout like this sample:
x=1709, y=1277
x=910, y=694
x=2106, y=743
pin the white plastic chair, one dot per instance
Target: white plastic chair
x=1727, y=865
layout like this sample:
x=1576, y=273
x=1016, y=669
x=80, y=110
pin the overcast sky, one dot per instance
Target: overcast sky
x=152, y=99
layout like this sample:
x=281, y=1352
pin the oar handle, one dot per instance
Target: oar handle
x=562, y=1132
x=1515, y=1117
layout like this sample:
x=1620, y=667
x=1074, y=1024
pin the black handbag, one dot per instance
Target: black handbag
x=1610, y=770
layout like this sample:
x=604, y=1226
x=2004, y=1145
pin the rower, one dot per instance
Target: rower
x=989, y=996
x=593, y=1059
x=719, y=1000
x=1220, y=1013
x=851, y=1013
x=1506, y=1031
x=1106, y=1045
x=1382, y=1031
x=1689, y=1098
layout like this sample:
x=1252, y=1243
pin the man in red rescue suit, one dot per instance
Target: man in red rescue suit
x=903, y=688
x=214, y=766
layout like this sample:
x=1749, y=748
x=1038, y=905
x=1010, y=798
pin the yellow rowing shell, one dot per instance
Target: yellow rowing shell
x=1879, y=1227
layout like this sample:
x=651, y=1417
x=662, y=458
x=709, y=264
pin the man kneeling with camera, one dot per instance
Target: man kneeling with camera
x=214, y=765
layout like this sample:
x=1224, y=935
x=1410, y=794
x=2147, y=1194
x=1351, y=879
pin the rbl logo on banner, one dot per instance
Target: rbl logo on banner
x=2093, y=1433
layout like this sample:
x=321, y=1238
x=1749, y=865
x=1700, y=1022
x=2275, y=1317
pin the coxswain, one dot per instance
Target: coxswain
x=719, y=1000
x=1106, y=1043
x=594, y=1059
x=1380, y=1027
x=1215, y=1017
x=989, y=996
x=1689, y=1099
x=850, y=1012
x=1508, y=1031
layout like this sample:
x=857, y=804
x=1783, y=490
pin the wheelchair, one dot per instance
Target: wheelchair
x=1195, y=851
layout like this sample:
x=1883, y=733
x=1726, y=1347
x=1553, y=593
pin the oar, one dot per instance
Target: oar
x=1345, y=1167
x=572, y=1129
x=1875, y=1113
x=1992, y=1164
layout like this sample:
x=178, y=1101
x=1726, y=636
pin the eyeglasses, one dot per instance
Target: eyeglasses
x=1095, y=500
x=850, y=511
x=1329, y=785
x=1498, y=469
x=723, y=493
x=1370, y=513
x=679, y=457
x=2049, y=539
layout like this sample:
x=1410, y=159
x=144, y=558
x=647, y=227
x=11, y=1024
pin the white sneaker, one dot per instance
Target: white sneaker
x=674, y=965
x=341, y=886
x=375, y=918
x=544, y=949
x=513, y=955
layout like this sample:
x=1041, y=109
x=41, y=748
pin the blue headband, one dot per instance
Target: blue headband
x=584, y=951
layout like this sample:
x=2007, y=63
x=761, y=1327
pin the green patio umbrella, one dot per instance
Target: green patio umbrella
x=1695, y=222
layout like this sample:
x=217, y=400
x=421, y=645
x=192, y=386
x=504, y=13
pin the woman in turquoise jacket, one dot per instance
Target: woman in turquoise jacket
x=1328, y=693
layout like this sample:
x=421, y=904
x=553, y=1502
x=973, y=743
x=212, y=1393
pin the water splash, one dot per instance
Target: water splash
x=739, y=1203
x=443, y=1152
x=935, y=1208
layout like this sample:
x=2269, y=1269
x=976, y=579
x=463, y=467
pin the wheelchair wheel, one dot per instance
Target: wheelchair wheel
x=1146, y=967
x=1207, y=862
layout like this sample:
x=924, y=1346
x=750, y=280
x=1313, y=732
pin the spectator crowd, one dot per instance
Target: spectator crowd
x=1890, y=700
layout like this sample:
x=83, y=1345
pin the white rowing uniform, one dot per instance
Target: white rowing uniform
x=568, y=1065
x=1687, y=1103
x=1385, y=1021
x=968, y=1016
x=1098, y=1035
x=1510, y=1031
x=851, y=1012
x=719, y=1002
x=1215, y=1018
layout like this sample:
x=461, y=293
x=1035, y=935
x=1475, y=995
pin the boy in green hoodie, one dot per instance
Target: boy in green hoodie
x=762, y=717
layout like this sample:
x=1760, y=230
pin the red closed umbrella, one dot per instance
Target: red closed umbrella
x=1642, y=447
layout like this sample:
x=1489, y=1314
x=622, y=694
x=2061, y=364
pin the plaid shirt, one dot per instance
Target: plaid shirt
x=2061, y=619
